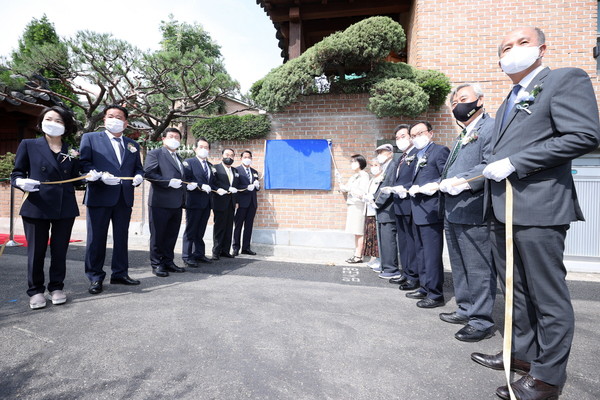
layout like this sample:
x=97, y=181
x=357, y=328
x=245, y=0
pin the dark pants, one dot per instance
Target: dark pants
x=244, y=218
x=543, y=318
x=429, y=243
x=193, y=237
x=37, y=232
x=97, y=222
x=164, y=229
x=473, y=272
x=388, y=250
x=222, y=231
x=406, y=247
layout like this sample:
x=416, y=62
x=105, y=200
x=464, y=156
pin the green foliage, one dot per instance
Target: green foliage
x=360, y=49
x=392, y=97
x=7, y=162
x=435, y=84
x=233, y=127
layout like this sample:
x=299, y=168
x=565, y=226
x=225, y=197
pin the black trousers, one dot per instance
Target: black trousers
x=406, y=247
x=37, y=232
x=196, y=220
x=222, y=231
x=164, y=229
x=430, y=244
x=244, y=218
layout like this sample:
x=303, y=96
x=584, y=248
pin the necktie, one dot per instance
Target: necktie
x=229, y=176
x=510, y=103
x=204, y=167
x=454, y=154
x=121, y=148
x=402, y=158
x=249, y=175
x=174, y=155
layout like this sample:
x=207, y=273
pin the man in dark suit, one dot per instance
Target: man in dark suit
x=427, y=224
x=549, y=118
x=200, y=172
x=246, y=205
x=227, y=181
x=467, y=233
x=386, y=219
x=164, y=170
x=105, y=156
x=402, y=210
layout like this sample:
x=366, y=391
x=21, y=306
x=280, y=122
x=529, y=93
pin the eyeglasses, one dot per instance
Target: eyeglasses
x=419, y=133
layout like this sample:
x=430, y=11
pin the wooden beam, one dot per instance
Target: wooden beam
x=328, y=10
x=295, y=41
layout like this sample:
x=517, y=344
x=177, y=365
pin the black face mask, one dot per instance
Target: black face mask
x=228, y=161
x=464, y=111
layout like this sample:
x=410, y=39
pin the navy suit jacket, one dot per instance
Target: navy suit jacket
x=425, y=209
x=35, y=160
x=194, y=173
x=404, y=178
x=222, y=203
x=383, y=201
x=97, y=153
x=247, y=198
x=160, y=168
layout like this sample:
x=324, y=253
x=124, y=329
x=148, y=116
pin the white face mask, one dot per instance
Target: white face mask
x=171, y=143
x=403, y=144
x=202, y=153
x=381, y=158
x=247, y=161
x=375, y=170
x=421, y=141
x=354, y=166
x=52, y=128
x=519, y=58
x=114, y=125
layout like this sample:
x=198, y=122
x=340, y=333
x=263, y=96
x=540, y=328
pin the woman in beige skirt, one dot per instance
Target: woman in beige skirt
x=356, y=187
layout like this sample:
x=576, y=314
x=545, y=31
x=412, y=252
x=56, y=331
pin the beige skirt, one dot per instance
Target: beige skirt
x=355, y=219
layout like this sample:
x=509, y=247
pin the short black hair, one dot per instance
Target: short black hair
x=362, y=162
x=401, y=126
x=244, y=152
x=164, y=134
x=427, y=124
x=65, y=115
x=227, y=148
x=118, y=107
x=202, y=139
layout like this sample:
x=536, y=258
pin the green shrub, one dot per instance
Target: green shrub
x=435, y=84
x=233, y=127
x=393, y=97
x=7, y=162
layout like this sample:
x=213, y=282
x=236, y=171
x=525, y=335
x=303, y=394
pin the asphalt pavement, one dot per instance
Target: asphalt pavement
x=253, y=328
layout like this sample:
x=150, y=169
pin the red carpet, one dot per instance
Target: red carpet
x=21, y=239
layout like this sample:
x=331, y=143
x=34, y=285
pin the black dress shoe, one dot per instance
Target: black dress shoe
x=204, y=260
x=95, y=287
x=470, y=334
x=430, y=303
x=227, y=255
x=174, y=268
x=409, y=285
x=417, y=294
x=235, y=253
x=454, y=318
x=496, y=362
x=249, y=252
x=398, y=280
x=529, y=388
x=161, y=272
x=124, y=280
x=215, y=257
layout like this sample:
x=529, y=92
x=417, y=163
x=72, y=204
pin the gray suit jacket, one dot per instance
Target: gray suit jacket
x=385, y=202
x=562, y=124
x=467, y=207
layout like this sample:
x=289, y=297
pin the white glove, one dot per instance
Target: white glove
x=338, y=176
x=369, y=198
x=399, y=189
x=221, y=191
x=175, y=183
x=430, y=188
x=414, y=189
x=256, y=184
x=27, y=185
x=458, y=186
x=446, y=184
x=137, y=180
x=386, y=190
x=192, y=186
x=343, y=188
x=94, y=176
x=206, y=188
x=499, y=170
x=232, y=189
x=110, y=179
x=404, y=194
x=250, y=187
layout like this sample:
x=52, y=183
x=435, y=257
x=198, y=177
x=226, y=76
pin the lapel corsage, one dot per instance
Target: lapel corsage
x=213, y=169
x=71, y=154
x=410, y=159
x=186, y=164
x=236, y=174
x=131, y=148
x=422, y=161
x=525, y=99
x=255, y=175
x=471, y=137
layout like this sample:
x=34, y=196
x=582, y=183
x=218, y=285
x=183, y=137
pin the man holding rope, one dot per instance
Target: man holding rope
x=548, y=119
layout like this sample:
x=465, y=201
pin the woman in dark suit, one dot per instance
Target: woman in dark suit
x=48, y=210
